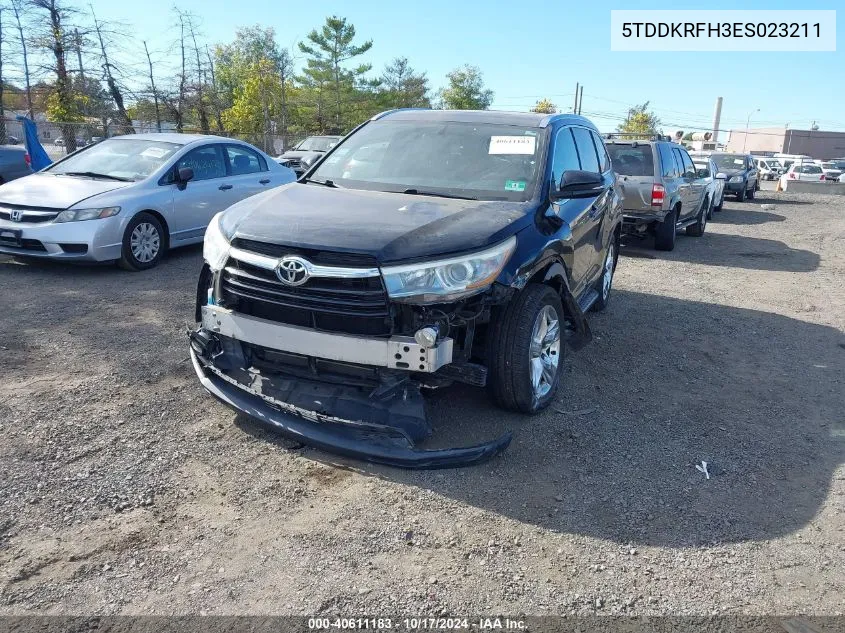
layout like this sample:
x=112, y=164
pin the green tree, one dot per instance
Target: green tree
x=328, y=51
x=401, y=87
x=640, y=122
x=544, y=106
x=255, y=104
x=466, y=90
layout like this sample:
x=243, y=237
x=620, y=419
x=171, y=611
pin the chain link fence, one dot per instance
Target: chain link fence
x=60, y=139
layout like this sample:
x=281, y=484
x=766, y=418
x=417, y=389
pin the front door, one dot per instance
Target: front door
x=211, y=190
x=249, y=171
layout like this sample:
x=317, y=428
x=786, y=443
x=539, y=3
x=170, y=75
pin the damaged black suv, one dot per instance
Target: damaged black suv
x=428, y=247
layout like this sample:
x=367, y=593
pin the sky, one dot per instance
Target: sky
x=532, y=49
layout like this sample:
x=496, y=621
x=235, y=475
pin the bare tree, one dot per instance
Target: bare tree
x=153, y=87
x=201, y=109
x=55, y=40
x=216, y=93
x=16, y=8
x=114, y=89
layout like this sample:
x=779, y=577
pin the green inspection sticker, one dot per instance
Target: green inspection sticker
x=514, y=185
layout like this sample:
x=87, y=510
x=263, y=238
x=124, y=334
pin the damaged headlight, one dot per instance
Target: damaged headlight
x=447, y=279
x=215, y=246
x=77, y=215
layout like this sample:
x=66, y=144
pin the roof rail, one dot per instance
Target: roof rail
x=637, y=136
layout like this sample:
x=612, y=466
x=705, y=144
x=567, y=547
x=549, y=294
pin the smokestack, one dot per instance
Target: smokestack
x=717, y=117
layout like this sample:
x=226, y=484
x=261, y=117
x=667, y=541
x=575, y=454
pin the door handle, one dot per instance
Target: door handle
x=224, y=187
x=264, y=181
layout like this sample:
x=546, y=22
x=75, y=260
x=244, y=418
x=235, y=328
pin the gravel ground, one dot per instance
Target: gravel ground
x=124, y=488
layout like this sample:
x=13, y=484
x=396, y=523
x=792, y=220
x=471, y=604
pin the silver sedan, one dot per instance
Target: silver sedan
x=130, y=198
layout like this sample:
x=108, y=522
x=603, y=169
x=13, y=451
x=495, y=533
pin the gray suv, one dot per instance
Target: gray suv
x=662, y=191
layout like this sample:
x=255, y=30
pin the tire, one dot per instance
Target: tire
x=740, y=197
x=697, y=229
x=718, y=207
x=751, y=192
x=665, y=232
x=510, y=359
x=605, y=283
x=144, y=238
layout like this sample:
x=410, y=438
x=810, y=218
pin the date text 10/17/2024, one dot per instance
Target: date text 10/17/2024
x=416, y=624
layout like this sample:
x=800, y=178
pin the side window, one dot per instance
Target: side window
x=586, y=149
x=670, y=169
x=565, y=156
x=207, y=162
x=244, y=161
x=679, y=162
x=689, y=168
x=604, y=159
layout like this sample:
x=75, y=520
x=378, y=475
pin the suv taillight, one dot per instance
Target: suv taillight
x=822, y=177
x=28, y=160
x=792, y=175
x=658, y=193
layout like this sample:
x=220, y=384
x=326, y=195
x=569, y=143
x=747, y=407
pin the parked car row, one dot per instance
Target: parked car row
x=426, y=248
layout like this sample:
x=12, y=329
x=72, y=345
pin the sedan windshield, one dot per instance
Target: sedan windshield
x=117, y=159
x=453, y=159
x=729, y=161
x=317, y=144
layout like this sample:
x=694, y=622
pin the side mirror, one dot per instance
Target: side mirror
x=308, y=160
x=575, y=183
x=183, y=175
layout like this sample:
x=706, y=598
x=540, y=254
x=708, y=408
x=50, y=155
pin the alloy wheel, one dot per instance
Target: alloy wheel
x=544, y=353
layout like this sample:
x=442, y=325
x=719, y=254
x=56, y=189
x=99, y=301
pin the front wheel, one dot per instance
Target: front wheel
x=143, y=243
x=740, y=197
x=697, y=229
x=751, y=192
x=525, y=357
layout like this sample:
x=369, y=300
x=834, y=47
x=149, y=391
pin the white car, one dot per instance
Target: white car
x=805, y=171
x=130, y=198
x=831, y=169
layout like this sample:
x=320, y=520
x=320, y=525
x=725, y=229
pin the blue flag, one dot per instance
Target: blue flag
x=36, y=153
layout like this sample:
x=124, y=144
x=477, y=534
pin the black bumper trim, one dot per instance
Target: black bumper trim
x=359, y=443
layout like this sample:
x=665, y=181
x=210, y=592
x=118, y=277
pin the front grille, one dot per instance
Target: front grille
x=30, y=214
x=315, y=256
x=25, y=244
x=350, y=306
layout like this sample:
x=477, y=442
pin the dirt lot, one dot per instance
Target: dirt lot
x=124, y=488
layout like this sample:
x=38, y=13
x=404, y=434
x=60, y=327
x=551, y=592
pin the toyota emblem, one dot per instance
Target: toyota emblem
x=293, y=271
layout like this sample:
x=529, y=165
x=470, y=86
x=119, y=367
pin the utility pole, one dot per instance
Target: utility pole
x=575, y=107
x=78, y=42
x=581, y=99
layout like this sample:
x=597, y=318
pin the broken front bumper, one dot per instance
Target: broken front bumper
x=332, y=416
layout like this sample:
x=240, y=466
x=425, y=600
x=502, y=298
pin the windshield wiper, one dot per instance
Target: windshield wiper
x=325, y=183
x=94, y=174
x=435, y=194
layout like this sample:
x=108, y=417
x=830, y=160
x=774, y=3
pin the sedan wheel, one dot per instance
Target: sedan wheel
x=145, y=242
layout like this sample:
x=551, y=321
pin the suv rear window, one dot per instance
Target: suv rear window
x=631, y=161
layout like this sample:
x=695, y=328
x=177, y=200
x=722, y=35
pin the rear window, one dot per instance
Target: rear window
x=631, y=161
x=808, y=169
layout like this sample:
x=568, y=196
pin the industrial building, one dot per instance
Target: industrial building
x=816, y=143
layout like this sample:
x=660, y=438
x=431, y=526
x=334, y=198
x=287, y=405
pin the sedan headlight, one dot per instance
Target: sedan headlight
x=77, y=215
x=735, y=179
x=215, y=246
x=447, y=279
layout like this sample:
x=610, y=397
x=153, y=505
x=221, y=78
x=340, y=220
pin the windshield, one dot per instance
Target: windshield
x=729, y=161
x=317, y=144
x=118, y=158
x=830, y=166
x=471, y=160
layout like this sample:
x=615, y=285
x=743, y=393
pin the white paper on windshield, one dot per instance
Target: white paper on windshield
x=738, y=161
x=154, y=152
x=512, y=145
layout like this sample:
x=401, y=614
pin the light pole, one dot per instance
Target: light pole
x=747, y=123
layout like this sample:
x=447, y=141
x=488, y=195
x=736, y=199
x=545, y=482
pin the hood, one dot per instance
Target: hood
x=389, y=226
x=54, y=192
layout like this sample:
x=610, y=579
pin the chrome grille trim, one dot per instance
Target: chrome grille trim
x=314, y=270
